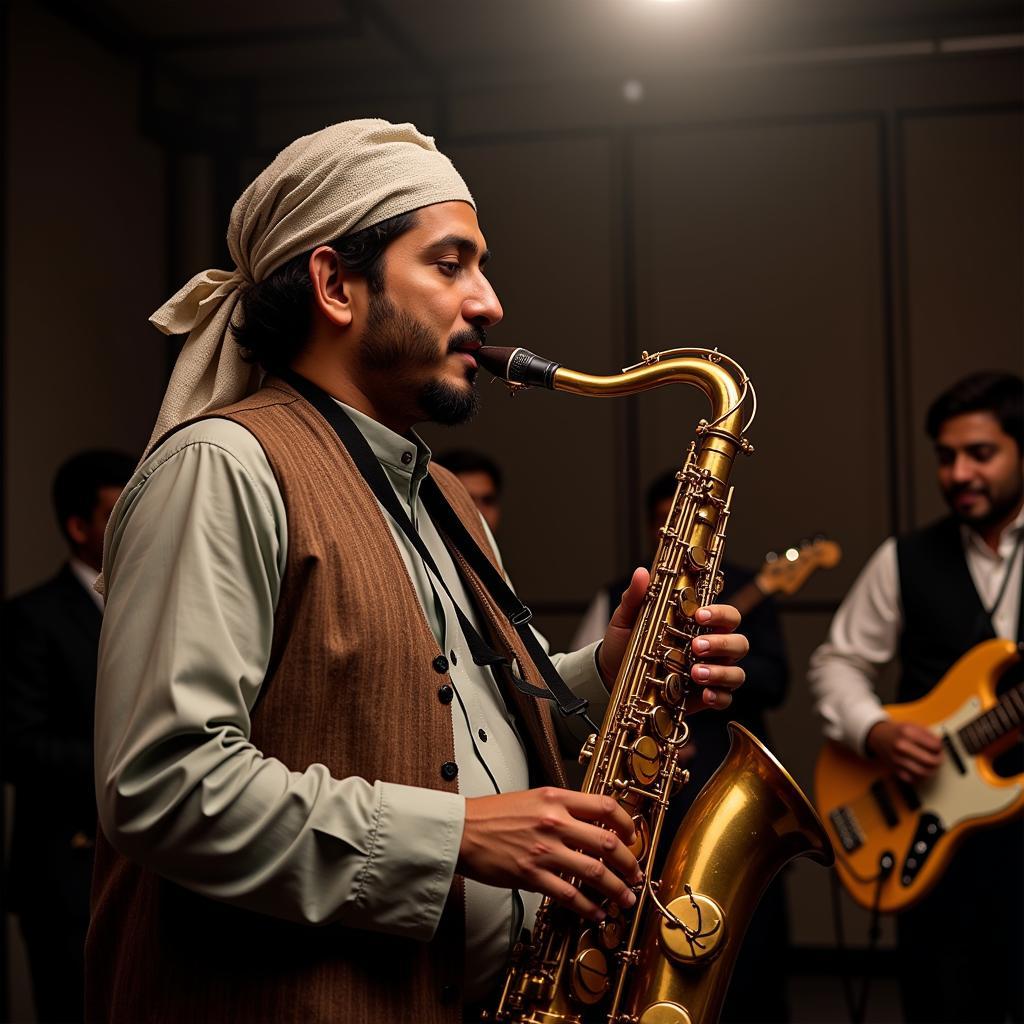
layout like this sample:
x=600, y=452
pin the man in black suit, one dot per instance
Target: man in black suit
x=51, y=634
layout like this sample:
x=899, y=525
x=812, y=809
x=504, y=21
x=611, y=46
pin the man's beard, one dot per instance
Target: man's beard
x=999, y=506
x=396, y=342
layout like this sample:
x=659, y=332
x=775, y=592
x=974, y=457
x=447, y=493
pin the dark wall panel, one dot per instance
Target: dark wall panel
x=965, y=264
x=764, y=240
x=546, y=211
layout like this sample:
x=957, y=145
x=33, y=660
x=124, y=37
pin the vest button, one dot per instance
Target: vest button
x=440, y=664
x=482, y=733
x=449, y=770
x=445, y=694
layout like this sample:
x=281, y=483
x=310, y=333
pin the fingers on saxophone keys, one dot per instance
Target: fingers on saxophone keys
x=594, y=877
x=725, y=676
x=725, y=647
x=722, y=618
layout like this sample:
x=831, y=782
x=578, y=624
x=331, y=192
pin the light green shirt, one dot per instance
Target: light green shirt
x=195, y=560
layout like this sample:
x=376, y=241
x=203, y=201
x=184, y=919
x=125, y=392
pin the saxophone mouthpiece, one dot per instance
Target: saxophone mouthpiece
x=517, y=365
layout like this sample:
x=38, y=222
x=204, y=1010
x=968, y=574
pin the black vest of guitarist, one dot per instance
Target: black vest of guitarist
x=970, y=925
x=943, y=615
x=942, y=612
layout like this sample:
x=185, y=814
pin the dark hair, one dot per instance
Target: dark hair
x=465, y=460
x=76, y=487
x=277, y=313
x=659, y=489
x=1001, y=394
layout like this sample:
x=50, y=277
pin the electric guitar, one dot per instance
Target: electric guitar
x=785, y=572
x=893, y=839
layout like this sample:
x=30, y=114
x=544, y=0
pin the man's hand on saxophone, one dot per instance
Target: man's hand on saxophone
x=537, y=839
x=527, y=840
x=718, y=650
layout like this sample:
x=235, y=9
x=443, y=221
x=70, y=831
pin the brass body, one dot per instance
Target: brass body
x=668, y=959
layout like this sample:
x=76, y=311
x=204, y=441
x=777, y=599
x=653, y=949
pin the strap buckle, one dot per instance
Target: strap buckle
x=521, y=617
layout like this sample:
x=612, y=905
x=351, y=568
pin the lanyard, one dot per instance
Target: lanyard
x=445, y=518
x=1010, y=562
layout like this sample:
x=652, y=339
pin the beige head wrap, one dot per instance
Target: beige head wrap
x=339, y=180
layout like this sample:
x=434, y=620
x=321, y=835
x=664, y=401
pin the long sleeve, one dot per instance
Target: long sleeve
x=863, y=637
x=194, y=564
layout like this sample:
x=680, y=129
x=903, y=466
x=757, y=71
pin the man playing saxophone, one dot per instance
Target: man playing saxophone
x=324, y=794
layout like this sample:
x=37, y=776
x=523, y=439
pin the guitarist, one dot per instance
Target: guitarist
x=927, y=598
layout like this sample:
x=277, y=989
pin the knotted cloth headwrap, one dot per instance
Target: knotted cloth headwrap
x=337, y=181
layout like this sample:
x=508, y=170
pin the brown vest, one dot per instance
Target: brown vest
x=351, y=684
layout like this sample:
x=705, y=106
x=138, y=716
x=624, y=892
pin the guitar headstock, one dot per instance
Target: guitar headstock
x=786, y=571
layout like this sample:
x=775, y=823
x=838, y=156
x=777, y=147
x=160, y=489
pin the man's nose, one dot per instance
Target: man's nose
x=483, y=308
x=962, y=469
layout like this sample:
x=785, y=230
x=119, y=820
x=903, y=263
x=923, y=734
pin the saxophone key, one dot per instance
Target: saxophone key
x=587, y=750
x=674, y=688
x=641, y=838
x=688, y=602
x=663, y=1013
x=674, y=659
x=697, y=556
x=645, y=760
x=612, y=929
x=680, y=777
x=664, y=723
x=590, y=976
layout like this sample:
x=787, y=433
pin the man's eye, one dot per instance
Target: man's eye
x=448, y=268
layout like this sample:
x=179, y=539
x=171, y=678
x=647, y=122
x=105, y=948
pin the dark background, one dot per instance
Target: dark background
x=829, y=192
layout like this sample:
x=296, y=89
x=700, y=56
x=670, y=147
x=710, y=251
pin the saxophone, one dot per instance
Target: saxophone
x=668, y=959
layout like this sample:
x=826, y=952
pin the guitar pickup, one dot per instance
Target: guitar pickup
x=847, y=828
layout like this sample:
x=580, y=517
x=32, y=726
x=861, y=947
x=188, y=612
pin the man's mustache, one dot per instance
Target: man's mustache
x=471, y=336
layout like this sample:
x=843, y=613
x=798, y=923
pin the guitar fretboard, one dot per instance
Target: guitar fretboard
x=994, y=724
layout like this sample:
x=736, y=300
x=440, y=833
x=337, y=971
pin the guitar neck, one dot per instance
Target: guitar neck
x=994, y=724
x=747, y=598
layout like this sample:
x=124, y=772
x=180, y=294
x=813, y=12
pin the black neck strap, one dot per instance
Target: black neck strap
x=1010, y=565
x=448, y=522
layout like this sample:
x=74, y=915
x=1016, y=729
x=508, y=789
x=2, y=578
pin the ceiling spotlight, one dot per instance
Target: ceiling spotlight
x=632, y=90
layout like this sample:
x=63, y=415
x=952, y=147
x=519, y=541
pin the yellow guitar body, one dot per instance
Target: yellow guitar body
x=869, y=813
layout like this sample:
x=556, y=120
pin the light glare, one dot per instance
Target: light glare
x=632, y=90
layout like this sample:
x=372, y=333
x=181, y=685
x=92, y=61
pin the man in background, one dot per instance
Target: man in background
x=481, y=476
x=50, y=641
x=931, y=596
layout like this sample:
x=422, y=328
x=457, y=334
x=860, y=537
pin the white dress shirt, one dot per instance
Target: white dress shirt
x=194, y=568
x=87, y=576
x=865, y=632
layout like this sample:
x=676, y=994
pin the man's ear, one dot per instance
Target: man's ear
x=77, y=530
x=332, y=286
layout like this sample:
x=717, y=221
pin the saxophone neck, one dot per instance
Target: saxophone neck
x=723, y=381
